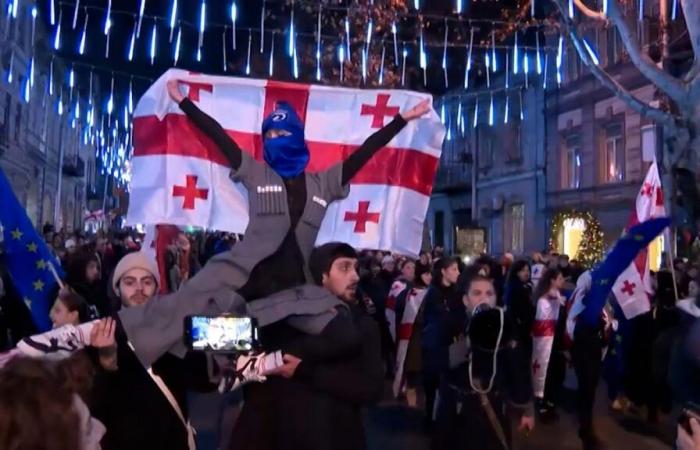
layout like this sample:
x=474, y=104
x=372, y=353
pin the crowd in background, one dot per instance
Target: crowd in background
x=652, y=362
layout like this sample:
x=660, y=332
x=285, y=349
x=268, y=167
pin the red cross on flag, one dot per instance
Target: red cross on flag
x=180, y=177
x=633, y=287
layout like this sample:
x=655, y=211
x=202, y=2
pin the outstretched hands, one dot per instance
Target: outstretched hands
x=417, y=111
x=174, y=91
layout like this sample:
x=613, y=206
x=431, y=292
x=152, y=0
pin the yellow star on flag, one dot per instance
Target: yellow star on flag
x=41, y=264
x=38, y=285
x=28, y=302
x=17, y=235
x=32, y=247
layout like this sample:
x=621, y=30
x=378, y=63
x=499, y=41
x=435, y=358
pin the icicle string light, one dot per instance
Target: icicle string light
x=223, y=46
x=341, y=60
x=176, y=57
x=57, y=36
x=522, y=115
x=290, y=47
x=132, y=43
x=271, y=63
x=347, y=37
x=476, y=112
x=108, y=19
x=262, y=27
x=491, y=114
x=75, y=13
x=515, y=55
x=381, y=67
x=34, y=14
x=403, y=66
x=469, y=59
x=83, y=36
x=487, y=62
x=506, y=112
x=544, y=78
x=202, y=25
x=444, y=55
x=153, y=43
x=173, y=18
x=234, y=18
x=318, y=47
x=142, y=8
x=591, y=53
x=493, y=51
x=539, y=57
x=250, y=41
x=396, y=44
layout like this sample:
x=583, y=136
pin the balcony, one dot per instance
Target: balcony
x=74, y=166
x=453, y=176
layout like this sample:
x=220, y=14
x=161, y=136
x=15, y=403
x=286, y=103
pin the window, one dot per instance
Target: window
x=511, y=141
x=439, y=236
x=517, y=226
x=614, y=154
x=614, y=45
x=648, y=143
x=486, y=147
x=571, y=163
x=18, y=120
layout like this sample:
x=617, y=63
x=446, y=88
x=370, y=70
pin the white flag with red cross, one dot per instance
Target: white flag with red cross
x=633, y=288
x=180, y=177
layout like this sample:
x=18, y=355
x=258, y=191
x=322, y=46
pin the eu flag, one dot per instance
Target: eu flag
x=623, y=253
x=27, y=256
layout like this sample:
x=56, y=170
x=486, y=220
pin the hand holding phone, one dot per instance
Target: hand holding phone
x=220, y=334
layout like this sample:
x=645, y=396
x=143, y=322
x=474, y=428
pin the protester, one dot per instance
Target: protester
x=408, y=354
x=517, y=298
x=69, y=308
x=341, y=388
x=136, y=408
x=38, y=412
x=548, y=361
x=443, y=318
x=471, y=412
x=83, y=275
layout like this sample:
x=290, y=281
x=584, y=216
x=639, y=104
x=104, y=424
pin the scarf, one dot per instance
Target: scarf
x=287, y=155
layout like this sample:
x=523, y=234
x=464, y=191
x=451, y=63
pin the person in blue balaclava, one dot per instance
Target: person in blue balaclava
x=286, y=153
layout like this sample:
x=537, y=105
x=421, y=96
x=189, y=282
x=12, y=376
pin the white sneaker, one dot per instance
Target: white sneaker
x=58, y=343
x=250, y=369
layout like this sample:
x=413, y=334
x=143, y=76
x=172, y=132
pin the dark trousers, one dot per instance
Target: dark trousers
x=556, y=371
x=431, y=382
x=586, y=355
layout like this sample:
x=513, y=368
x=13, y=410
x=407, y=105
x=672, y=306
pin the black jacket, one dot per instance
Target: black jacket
x=281, y=413
x=346, y=386
x=134, y=410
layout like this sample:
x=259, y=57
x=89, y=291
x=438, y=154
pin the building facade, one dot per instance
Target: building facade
x=490, y=190
x=44, y=153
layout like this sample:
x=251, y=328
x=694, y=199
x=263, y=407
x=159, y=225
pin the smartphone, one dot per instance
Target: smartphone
x=690, y=410
x=220, y=334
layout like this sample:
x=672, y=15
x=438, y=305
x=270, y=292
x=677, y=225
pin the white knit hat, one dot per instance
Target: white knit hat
x=135, y=260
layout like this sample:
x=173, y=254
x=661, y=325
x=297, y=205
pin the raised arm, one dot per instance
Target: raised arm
x=208, y=125
x=379, y=139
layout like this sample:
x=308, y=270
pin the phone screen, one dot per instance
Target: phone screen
x=222, y=334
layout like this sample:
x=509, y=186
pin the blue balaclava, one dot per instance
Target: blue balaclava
x=287, y=155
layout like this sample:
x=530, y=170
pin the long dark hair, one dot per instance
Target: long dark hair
x=513, y=282
x=440, y=264
x=545, y=284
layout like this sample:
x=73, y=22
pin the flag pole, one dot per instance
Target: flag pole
x=667, y=239
x=55, y=275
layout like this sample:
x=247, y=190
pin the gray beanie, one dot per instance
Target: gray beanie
x=135, y=260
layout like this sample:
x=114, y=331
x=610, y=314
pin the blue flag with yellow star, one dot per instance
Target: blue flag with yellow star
x=27, y=256
x=623, y=253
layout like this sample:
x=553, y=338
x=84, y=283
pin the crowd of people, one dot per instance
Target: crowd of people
x=455, y=339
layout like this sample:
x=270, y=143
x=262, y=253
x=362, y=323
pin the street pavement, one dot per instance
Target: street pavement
x=392, y=426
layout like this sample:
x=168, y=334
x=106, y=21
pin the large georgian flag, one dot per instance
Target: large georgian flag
x=633, y=287
x=180, y=177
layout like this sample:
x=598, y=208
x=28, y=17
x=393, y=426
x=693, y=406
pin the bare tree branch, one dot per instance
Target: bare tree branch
x=691, y=11
x=608, y=81
x=673, y=87
x=588, y=12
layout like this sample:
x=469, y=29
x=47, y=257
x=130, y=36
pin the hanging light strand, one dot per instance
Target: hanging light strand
x=468, y=66
x=176, y=55
x=83, y=36
x=404, y=54
x=250, y=41
x=132, y=43
x=202, y=25
x=234, y=18
x=444, y=55
x=318, y=47
x=396, y=45
x=262, y=28
x=271, y=63
x=538, y=56
x=173, y=19
x=154, y=30
x=57, y=36
x=142, y=9
x=381, y=67
x=75, y=13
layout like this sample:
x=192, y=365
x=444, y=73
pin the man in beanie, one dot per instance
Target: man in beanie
x=318, y=405
x=142, y=407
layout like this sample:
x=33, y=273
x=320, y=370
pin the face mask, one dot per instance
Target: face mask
x=287, y=155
